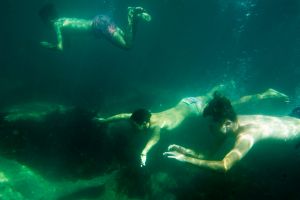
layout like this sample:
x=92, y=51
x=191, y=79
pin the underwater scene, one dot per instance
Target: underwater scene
x=146, y=100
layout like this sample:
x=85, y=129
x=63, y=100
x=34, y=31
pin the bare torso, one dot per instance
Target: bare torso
x=173, y=117
x=267, y=127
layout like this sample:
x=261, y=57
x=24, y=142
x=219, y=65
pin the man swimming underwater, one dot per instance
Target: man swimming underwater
x=246, y=130
x=101, y=26
x=173, y=117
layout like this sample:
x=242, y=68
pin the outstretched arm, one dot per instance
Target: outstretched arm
x=114, y=118
x=243, y=144
x=153, y=141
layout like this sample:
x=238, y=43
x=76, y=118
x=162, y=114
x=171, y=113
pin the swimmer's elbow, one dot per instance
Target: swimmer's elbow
x=221, y=167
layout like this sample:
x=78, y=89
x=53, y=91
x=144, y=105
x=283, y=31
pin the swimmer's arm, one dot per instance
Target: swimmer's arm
x=153, y=141
x=243, y=144
x=114, y=118
x=247, y=99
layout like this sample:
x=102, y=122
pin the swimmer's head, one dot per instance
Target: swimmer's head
x=221, y=113
x=141, y=118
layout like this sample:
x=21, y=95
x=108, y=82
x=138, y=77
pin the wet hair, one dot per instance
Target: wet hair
x=140, y=116
x=220, y=109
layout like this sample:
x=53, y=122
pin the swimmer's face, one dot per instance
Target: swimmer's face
x=226, y=128
x=142, y=127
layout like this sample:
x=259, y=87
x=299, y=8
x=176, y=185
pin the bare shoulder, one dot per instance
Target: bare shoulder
x=271, y=127
x=265, y=119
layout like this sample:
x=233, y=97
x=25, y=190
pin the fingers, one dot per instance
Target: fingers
x=143, y=160
x=172, y=154
x=178, y=149
x=175, y=155
x=174, y=147
x=169, y=153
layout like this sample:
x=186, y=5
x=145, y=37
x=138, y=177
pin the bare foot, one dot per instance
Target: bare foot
x=273, y=94
x=139, y=12
x=51, y=46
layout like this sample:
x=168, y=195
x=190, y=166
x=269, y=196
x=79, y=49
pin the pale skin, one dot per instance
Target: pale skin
x=248, y=130
x=173, y=117
x=122, y=39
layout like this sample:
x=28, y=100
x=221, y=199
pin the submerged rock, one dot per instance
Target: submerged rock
x=18, y=182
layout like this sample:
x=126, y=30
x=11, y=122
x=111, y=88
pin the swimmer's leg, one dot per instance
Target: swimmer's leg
x=58, y=25
x=135, y=13
x=274, y=94
x=126, y=39
x=268, y=94
x=70, y=23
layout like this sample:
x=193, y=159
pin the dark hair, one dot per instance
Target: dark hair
x=220, y=109
x=140, y=116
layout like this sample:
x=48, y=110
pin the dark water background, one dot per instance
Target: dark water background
x=188, y=47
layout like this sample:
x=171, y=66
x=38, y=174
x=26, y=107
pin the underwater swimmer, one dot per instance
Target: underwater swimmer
x=246, y=130
x=173, y=117
x=101, y=26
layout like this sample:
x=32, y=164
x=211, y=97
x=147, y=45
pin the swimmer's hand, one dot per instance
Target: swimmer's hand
x=180, y=149
x=175, y=155
x=180, y=153
x=143, y=160
x=100, y=120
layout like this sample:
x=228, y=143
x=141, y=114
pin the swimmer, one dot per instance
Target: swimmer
x=101, y=26
x=247, y=130
x=169, y=119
